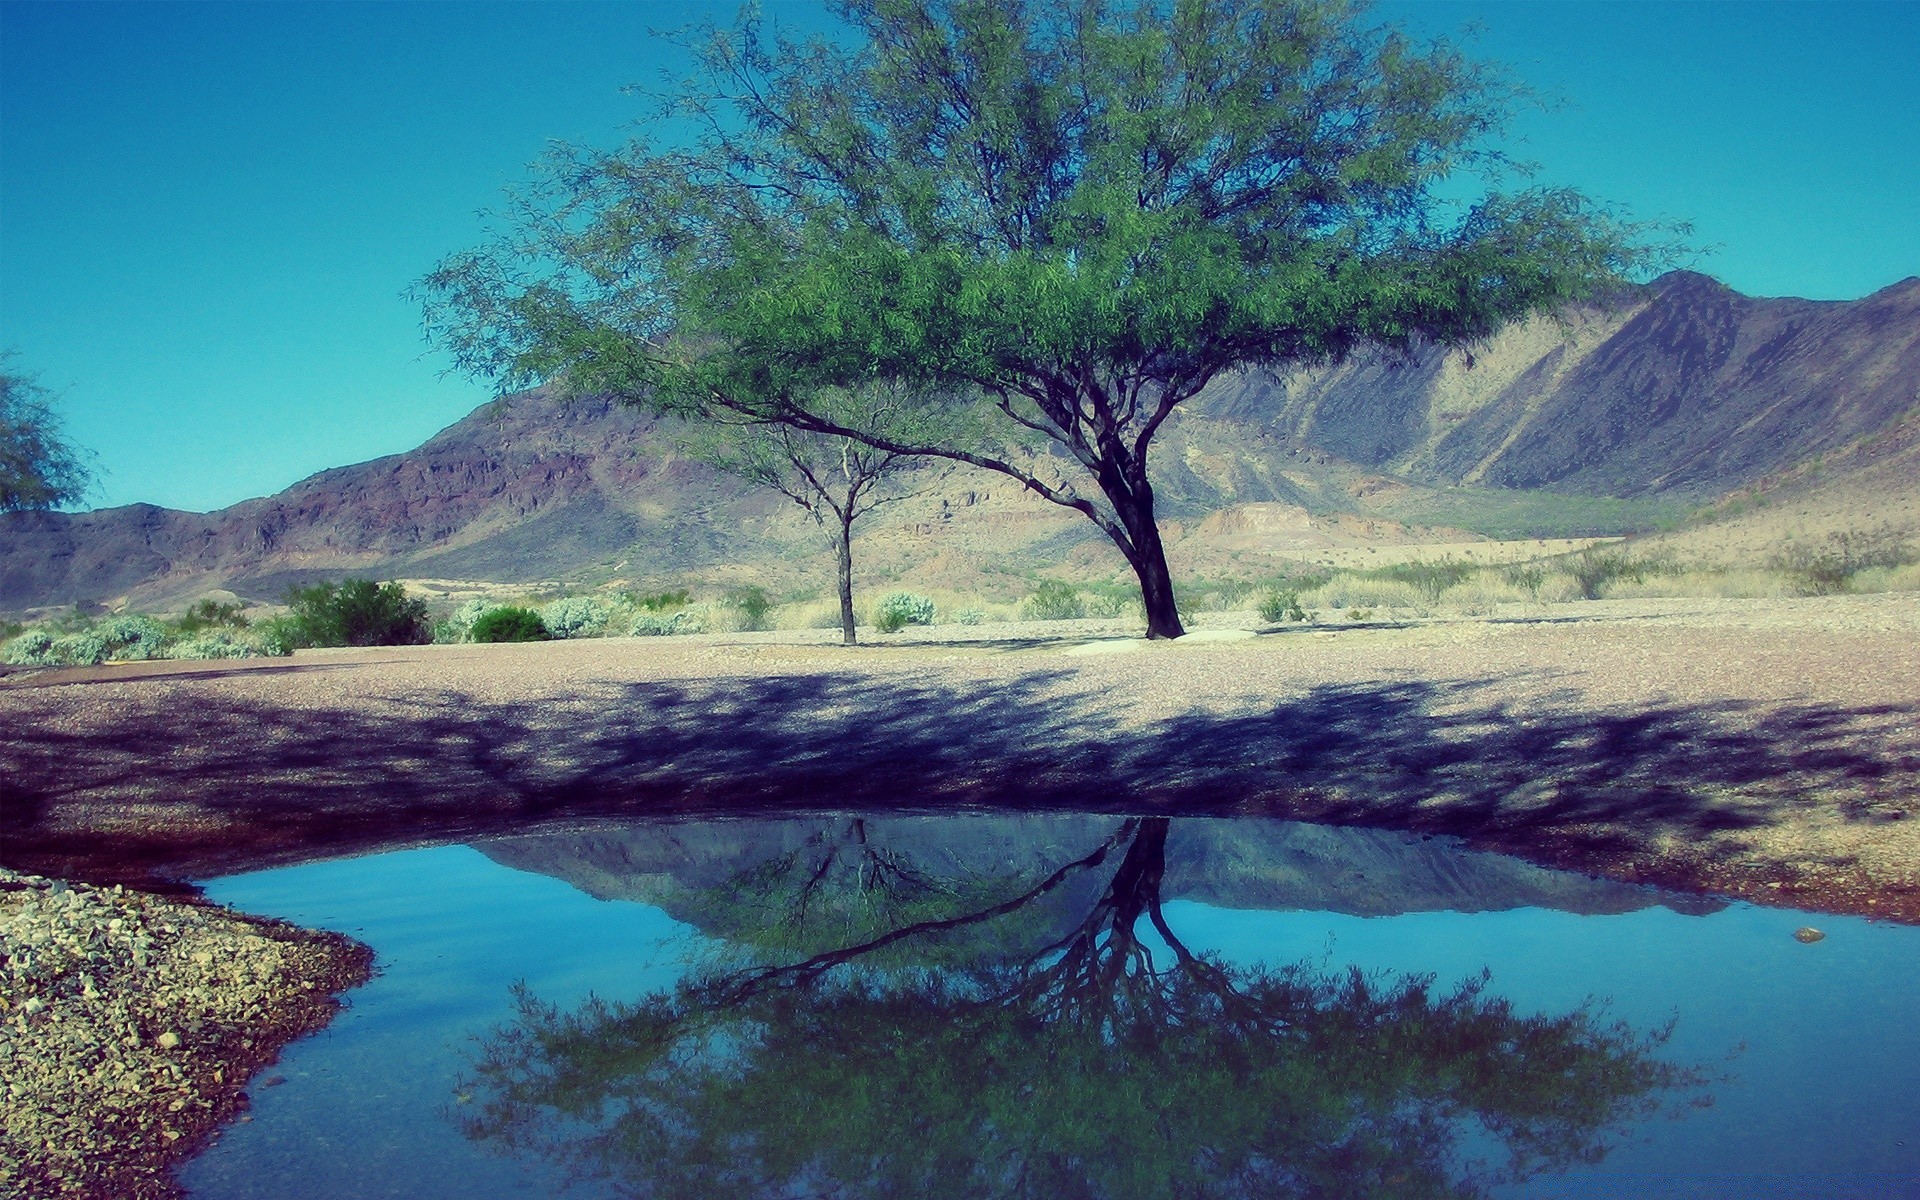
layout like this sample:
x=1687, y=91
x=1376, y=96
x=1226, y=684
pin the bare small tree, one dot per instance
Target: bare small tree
x=836, y=479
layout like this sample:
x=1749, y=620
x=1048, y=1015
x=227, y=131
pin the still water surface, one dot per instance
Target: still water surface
x=1061, y=1005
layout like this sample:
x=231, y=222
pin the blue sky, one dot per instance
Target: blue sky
x=209, y=212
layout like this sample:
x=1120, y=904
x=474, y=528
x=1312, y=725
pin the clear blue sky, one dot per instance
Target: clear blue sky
x=208, y=212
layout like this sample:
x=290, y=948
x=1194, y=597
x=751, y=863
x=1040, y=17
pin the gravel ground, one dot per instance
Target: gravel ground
x=130, y=1023
x=1766, y=749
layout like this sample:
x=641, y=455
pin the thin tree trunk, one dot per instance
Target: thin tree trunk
x=843, y=553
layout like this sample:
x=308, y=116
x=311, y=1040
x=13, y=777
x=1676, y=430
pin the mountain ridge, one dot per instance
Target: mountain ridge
x=1681, y=391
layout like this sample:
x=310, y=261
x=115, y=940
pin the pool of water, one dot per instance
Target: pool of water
x=1059, y=1005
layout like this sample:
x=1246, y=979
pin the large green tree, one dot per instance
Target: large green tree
x=39, y=468
x=1058, y=222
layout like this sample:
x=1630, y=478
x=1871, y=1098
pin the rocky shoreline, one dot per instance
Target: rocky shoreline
x=130, y=1024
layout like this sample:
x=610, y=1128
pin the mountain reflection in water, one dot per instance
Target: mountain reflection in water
x=895, y=1009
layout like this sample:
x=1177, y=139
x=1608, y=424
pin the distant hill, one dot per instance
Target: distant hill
x=699, y=871
x=1613, y=416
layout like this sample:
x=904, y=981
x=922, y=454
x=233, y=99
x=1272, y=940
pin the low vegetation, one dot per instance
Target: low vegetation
x=358, y=612
x=509, y=624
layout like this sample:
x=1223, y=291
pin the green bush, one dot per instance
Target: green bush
x=134, y=638
x=1277, y=606
x=1829, y=568
x=34, y=648
x=510, y=624
x=1053, y=601
x=217, y=643
x=897, y=610
x=575, y=617
x=661, y=601
x=1528, y=577
x=753, y=605
x=209, y=614
x=357, y=612
x=1430, y=579
x=657, y=625
x=1593, y=569
x=970, y=616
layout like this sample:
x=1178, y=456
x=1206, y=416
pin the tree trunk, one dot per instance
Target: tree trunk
x=843, y=553
x=1149, y=560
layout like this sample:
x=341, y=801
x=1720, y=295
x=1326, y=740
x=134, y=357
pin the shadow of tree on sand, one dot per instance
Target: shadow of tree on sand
x=155, y=787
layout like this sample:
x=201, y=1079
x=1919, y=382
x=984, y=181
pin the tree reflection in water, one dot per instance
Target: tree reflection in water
x=1102, y=1061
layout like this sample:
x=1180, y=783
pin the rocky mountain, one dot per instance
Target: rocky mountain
x=1659, y=400
x=1683, y=387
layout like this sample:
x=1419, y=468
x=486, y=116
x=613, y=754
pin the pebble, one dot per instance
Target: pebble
x=103, y=1089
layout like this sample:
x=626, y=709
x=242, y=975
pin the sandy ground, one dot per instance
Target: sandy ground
x=1768, y=750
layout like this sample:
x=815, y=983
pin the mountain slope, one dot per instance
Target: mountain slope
x=1683, y=387
x=1598, y=421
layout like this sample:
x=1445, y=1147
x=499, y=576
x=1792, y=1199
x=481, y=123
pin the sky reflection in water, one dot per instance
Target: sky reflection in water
x=752, y=971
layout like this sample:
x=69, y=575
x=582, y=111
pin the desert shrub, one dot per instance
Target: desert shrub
x=575, y=617
x=1593, y=570
x=1053, y=601
x=753, y=605
x=897, y=610
x=969, y=616
x=83, y=649
x=1830, y=566
x=1481, y=595
x=209, y=614
x=510, y=623
x=661, y=625
x=357, y=612
x=1429, y=579
x=30, y=649
x=819, y=616
x=457, y=626
x=1359, y=591
x=1277, y=606
x=134, y=637
x=1108, y=604
x=215, y=643
x=660, y=601
x=1528, y=577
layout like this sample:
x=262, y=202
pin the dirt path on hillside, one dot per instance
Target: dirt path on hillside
x=1763, y=749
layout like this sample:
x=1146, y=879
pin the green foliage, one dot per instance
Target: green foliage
x=969, y=616
x=897, y=610
x=1594, y=568
x=209, y=614
x=135, y=637
x=509, y=624
x=575, y=617
x=39, y=468
x=1529, y=577
x=457, y=626
x=1276, y=607
x=357, y=612
x=1430, y=579
x=753, y=605
x=667, y=625
x=1053, y=601
x=34, y=648
x=217, y=643
x=1828, y=567
x=1036, y=222
x=661, y=601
